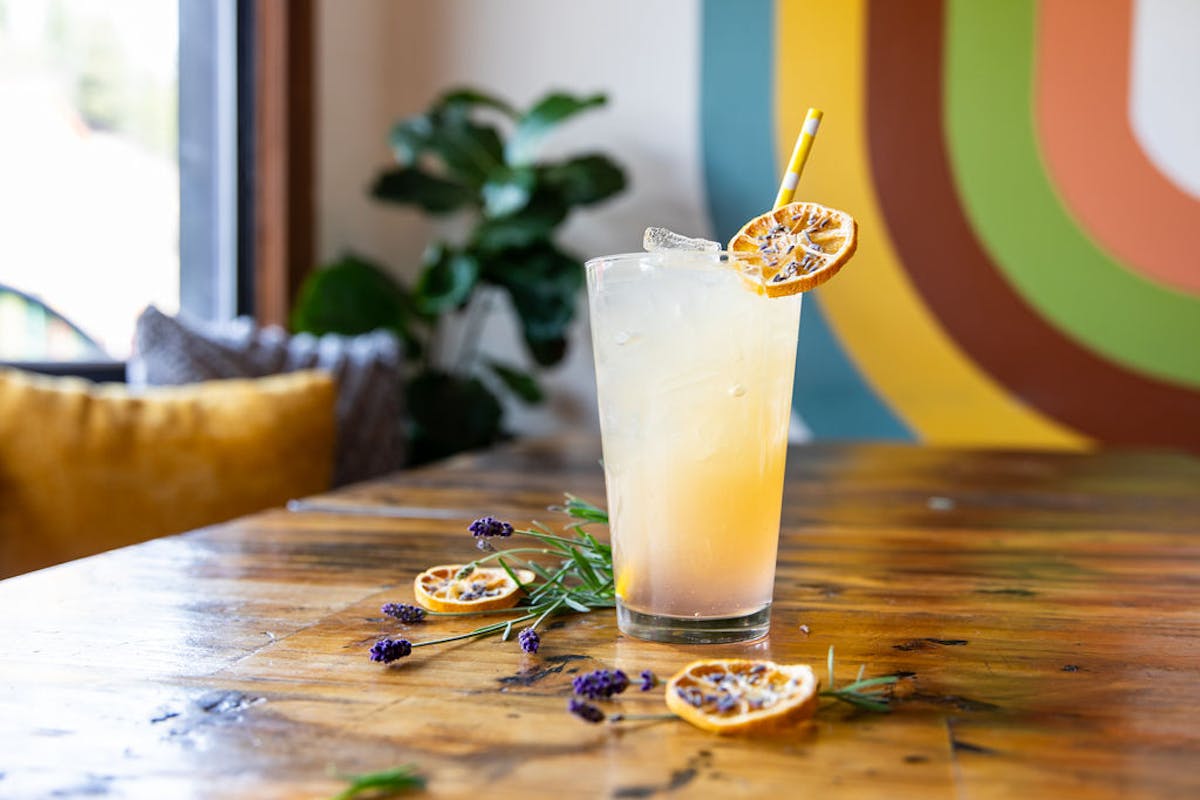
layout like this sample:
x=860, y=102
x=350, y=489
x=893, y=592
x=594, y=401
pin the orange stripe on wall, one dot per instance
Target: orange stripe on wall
x=1082, y=108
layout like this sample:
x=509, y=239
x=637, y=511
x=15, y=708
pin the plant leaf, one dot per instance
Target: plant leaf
x=470, y=152
x=409, y=138
x=582, y=509
x=461, y=100
x=449, y=414
x=507, y=191
x=522, y=384
x=539, y=570
x=548, y=351
x=584, y=568
x=385, y=783
x=603, y=552
x=352, y=296
x=544, y=284
x=534, y=223
x=576, y=605
x=858, y=686
x=415, y=187
x=504, y=565
x=860, y=700
x=447, y=280
x=584, y=180
x=545, y=115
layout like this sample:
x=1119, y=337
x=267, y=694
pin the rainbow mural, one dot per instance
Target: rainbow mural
x=1026, y=274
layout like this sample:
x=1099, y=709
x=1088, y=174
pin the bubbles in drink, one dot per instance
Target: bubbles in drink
x=658, y=239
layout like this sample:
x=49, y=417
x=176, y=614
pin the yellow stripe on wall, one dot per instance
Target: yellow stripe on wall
x=872, y=306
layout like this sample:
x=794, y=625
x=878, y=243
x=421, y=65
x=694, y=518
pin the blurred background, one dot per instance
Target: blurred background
x=1024, y=174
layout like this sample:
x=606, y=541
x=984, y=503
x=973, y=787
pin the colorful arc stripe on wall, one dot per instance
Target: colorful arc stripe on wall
x=1004, y=293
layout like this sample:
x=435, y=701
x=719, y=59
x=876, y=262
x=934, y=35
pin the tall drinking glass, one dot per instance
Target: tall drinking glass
x=694, y=373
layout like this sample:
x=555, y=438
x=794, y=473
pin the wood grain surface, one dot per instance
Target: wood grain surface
x=1048, y=606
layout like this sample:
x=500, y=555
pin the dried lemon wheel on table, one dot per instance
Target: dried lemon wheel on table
x=460, y=587
x=798, y=246
x=733, y=695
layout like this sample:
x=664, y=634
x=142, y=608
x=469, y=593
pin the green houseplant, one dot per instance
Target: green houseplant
x=471, y=154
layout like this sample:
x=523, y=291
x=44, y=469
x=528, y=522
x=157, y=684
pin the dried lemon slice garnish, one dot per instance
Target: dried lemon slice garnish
x=733, y=695
x=462, y=587
x=796, y=247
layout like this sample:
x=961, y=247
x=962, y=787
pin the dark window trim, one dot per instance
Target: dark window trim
x=98, y=371
x=247, y=99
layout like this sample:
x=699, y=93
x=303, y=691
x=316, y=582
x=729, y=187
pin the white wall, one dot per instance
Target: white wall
x=379, y=60
x=1165, y=73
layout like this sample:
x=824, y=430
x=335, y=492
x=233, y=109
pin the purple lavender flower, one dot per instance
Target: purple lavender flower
x=600, y=684
x=488, y=527
x=484, y=545
x=585, y=711
x=529, y=639
x=648, y=680
x=389, y=650
x=404, y=612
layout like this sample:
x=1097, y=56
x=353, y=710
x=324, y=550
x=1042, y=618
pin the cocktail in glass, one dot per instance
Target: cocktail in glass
x=694, y=373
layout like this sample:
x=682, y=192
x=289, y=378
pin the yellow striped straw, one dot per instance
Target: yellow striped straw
x=804, y=142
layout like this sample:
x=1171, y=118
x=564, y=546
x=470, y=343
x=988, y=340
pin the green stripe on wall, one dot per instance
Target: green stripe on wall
x=1012, y=206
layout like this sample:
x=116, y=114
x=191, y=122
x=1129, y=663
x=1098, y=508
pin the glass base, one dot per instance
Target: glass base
x=694, y=630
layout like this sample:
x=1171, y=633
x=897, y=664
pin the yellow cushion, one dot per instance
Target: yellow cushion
x=85, y=468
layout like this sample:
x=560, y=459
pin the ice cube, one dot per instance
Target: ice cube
x=657, y=239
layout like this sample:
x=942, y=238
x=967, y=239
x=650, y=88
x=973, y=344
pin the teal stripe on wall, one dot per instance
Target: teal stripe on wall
x=738, y=145
x=738, y=139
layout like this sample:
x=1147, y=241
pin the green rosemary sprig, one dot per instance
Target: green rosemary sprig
x=581, y=581
x=869, y=694
x=578, y=580
x=581, y=509
x=385, y=783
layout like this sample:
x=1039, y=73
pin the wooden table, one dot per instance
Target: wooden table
x=1047, y=604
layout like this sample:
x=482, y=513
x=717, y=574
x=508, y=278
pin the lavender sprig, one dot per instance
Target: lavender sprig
x=600, y=684
x=404, y=612
x=488, y=527
x=389, y=650
x=581, y=581
x=529, y=640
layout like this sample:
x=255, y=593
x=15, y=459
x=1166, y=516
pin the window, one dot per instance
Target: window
x=89, y=199
x=140, y=140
